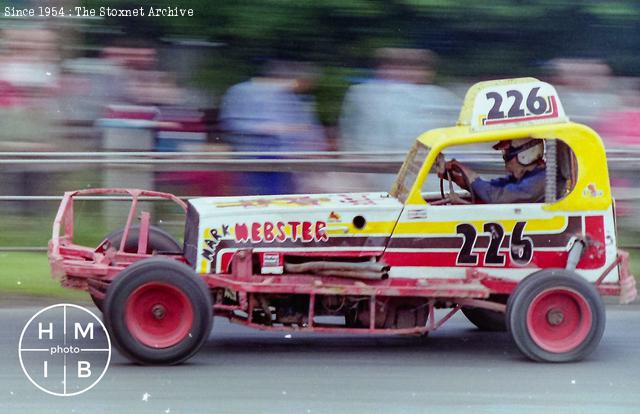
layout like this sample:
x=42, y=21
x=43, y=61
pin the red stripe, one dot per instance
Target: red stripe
x=593, y=258
x=595, y=255
x=448, y=259
x=541, y=259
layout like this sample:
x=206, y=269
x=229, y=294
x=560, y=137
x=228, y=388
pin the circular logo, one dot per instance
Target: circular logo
x=64, y=350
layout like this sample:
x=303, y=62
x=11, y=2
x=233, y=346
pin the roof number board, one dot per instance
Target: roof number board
x=502, y=105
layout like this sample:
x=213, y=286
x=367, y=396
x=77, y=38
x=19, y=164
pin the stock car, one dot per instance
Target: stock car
x=402, y=262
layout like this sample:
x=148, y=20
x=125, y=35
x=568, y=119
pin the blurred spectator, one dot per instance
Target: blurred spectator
x=144, y=85
x=269, y=114
x=621, y=130
x=29, y=111
x=30, y=59
x=29, y=74
x=87, y=86
x=156, y=116
x=585, y=87
x=621, y=127
x=390, y=111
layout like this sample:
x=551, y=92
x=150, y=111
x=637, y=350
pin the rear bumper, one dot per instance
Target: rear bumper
x=625, y=288
x=628, y=289
x=73, y=264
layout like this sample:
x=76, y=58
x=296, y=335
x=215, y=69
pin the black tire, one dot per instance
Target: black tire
x=158, y=311
x=100, y=286
x=488, y=320
x=98, y=302
x=555, y=315
x=159, y=240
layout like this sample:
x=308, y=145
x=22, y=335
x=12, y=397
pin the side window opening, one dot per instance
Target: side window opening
x=567, y=170
x=499, y=182
x=409, y=171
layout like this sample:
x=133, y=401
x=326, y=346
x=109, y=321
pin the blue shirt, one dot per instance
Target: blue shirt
x=250, y=110
x=505, y=190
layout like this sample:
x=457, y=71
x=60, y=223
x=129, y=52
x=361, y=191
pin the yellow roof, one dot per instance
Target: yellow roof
x=592, y=190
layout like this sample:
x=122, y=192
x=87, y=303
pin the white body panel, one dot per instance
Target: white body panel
x=331, y=223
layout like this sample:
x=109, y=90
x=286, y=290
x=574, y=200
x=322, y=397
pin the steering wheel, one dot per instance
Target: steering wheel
x=452, y=197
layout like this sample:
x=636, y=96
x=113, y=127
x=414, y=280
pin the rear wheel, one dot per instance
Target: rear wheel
x=158, y=311
x=159, y=240
x=98, y=302
x=488, y=320
x=556, y=316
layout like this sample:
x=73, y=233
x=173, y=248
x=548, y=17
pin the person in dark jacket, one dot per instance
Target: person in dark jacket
x=525, y=183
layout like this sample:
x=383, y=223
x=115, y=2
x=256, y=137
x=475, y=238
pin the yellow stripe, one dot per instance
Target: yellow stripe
x=557, y=223
x=381, y=227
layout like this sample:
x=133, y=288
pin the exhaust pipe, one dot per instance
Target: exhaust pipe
x=317, y=266
x=575, y=254
x=354, y=274
x=366, y=270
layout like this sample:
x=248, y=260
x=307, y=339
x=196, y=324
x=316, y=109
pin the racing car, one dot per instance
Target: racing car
x=398, y=262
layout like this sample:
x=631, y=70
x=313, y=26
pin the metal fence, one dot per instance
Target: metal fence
x=356, y=161
x=624, y=162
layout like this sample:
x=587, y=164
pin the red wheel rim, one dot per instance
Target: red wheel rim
x=158, y=315
x=559, y=319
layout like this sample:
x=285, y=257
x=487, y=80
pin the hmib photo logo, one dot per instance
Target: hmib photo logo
x=64, y=350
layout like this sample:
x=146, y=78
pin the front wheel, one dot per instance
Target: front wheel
x=158, y=311
x=555, y=315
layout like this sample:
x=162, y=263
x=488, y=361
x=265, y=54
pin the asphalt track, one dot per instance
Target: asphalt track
x=456, y=369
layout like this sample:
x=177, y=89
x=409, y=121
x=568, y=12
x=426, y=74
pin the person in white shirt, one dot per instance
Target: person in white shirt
x=388, y=112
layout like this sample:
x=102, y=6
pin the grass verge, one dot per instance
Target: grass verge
x=28, y=274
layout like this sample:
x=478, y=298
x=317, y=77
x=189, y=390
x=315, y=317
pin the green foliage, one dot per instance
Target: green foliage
x=331, y=88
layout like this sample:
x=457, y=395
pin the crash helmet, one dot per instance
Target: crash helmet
x=527, y=150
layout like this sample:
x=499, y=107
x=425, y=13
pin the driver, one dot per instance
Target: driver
x=523, y=160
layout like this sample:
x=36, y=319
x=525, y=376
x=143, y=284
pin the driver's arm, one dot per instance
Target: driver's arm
x=502, y=190
x=458, y=171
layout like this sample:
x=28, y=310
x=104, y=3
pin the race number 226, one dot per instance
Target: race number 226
x=517, y=106
x=520, y=246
